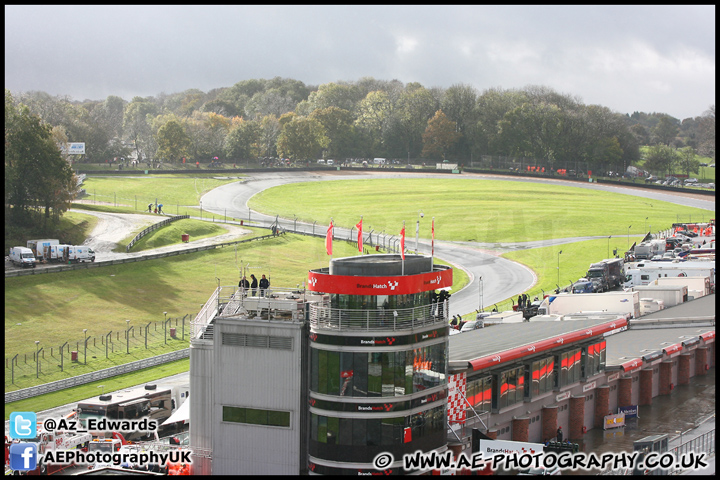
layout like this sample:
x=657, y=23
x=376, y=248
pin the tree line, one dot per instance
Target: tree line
x=363, y=119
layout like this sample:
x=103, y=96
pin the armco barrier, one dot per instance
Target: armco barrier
x=80, y=266
x=93, y=376
x=152, y=228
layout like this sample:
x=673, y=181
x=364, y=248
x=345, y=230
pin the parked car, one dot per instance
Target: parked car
x=703, y=164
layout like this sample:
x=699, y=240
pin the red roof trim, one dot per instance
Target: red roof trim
x=708, y=336
x=673, y=349
x=632, y=365
x=543, y=345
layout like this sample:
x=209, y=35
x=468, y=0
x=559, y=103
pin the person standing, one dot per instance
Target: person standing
x=244, y=285
x=264, y=285
x=559, y=434
x=253, y=285
x=160, y=208
x=150, y=208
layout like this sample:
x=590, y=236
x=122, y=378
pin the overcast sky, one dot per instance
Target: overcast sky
x=628, y=58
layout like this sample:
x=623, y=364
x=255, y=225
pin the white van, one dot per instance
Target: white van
x=331, y=162
x=379, y=161
x=22, y=257
x=321, y=162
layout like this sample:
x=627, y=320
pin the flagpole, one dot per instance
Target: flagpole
x=402, y=253
x=432, y=249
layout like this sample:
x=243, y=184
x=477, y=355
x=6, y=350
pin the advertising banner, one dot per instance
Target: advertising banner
x=490, y=448
x=614, y=421
x=631, y=411
x=395, y=285
x=76, y=148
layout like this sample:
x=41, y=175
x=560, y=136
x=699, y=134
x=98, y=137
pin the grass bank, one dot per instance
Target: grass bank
x=490, y=211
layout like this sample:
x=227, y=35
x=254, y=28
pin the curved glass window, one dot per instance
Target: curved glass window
x=332, y=438
x=377, y=374
x=373, y=302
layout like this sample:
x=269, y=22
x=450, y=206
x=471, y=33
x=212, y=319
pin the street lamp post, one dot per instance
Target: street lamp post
x=146, y=333
x=558, y=268
x=37, y=359
x=482, y=308
x=86, y=340
x=417, y=230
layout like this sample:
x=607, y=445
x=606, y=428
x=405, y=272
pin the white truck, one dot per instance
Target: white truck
x=22, y=257
x=647, y=250
x=38, y=247
x=81, y=253
x=645, y=273
x=697, y=286
x=56, y=253
x=615, y=302
x=670, y=295
x=508, y=316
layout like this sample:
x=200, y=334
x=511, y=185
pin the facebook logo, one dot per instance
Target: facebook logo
x=23, y=456
x=23, y=425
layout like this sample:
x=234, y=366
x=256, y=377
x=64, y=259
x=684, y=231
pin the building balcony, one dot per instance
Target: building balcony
x=323, y=317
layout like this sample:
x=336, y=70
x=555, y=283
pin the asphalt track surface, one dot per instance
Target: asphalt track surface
x=501, y=278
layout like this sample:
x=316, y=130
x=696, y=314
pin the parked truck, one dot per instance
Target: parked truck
x=645, y=273
x=81, y=253
x=22, y=257
x=670, y=295
x=599, y=274
x=615, y=302
x=38, y=247
x=696, y=286
x=56, y=253
x=647, y=250
x=503, y=318
x=606, y=274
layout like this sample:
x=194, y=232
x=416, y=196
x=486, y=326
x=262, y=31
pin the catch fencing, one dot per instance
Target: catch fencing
x=95, y=376
x=154, y=227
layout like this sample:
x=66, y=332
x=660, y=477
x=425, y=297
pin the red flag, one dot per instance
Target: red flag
x=402, y=242
x=328, y=239
x=432, y=250
x=359, y=240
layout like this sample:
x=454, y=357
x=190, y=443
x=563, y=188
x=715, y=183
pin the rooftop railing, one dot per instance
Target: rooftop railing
x=323, y=317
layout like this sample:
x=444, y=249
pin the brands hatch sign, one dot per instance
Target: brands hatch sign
x=396, y=285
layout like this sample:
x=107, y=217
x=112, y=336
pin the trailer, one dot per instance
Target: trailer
x=670, y=295
x=696, y=286
x=22, y=257
x=645, y=273
x=503, y=318
x=38, y=247
x=615, y=302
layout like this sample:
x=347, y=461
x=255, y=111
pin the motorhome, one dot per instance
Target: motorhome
x=645, y=273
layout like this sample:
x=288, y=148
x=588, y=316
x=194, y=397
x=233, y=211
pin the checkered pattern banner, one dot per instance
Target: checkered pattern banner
x=456, y=398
